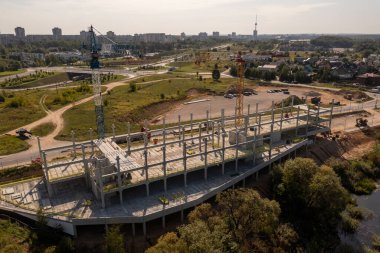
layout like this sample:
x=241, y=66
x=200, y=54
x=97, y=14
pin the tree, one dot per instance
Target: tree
x=233, y=71
x=66, y=245
x=216, y=73
x=169, y=243
x=114, y=241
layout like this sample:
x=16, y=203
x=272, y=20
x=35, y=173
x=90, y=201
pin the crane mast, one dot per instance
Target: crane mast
x=96, y=83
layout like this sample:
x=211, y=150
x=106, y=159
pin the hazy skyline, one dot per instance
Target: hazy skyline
x=191, y=16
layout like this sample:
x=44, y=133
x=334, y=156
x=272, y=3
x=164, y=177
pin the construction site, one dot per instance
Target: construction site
x=142, y=176
x=139, y=177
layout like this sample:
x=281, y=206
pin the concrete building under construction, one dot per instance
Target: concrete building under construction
x=139, y=177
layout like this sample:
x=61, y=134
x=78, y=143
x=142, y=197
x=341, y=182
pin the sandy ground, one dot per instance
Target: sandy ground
x=264, y=99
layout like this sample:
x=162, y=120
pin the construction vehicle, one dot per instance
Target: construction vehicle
x=315, y=100
x=22, y=132
x=360, y=122
x=348, y=96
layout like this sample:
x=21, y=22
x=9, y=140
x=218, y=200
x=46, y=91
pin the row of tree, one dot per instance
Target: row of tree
x=306, y=214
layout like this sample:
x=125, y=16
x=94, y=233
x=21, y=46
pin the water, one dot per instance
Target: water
x=370, y=227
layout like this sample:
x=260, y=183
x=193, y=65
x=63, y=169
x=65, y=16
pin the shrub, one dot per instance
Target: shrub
x=15, y=102
x=349, y=225
x=162, y=96
x=2, y=99
x=132, y=87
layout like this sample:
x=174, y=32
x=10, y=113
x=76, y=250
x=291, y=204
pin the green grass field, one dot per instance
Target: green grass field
x=20, y=108
x=43, y=129
x=23, y=107
x=9, y=73
x=123, y=106
x=11, y=144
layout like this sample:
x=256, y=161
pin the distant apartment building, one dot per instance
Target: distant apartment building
x=202, y=35
x=20, y=32
x=233, y=35
x=6, y=39
x=215, y=34
x=57, y=32
x=111, y=34
x=151, y=37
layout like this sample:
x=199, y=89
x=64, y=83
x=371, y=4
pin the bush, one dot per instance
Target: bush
x=15, y=102
x=162, y=96
x=132, y=87
x=2, y=99
x=365, y=186
x=349, y=225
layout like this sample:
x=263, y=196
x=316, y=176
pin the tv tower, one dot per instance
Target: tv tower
x=255, y=31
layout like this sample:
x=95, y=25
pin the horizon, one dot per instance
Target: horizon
x=275, y=17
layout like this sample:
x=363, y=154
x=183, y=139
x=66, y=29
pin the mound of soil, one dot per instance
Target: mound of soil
x=288, y=101
x=356, y=94
x=312, y=94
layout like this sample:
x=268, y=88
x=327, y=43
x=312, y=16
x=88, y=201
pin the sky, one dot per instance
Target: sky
x=191, y=16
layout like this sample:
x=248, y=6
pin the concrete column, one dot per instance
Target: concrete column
x=85, y=165
x=223, y=150
x=292, y=100
x=182, y=216
x=213, y=134
x=205, y=140
x=270, y=141
x=200, y=139
x=318, y=111
x=272, y=112
x=113, y=130
x=249, y=109
x=119, y=179
x=129, y=145
x=282, y=114
x=246, y=122
x=183, y=136
x=222, y=117
x=48, y=185
x=129, y=128
x=163, y=222
x=254, y=147
x=133, y=229
x=73, y=140
x=257, y=111
x=164, y=166
x=297, y=120
x=208, y=121
x=39, y=146
x=144, y=228
x=185, y=164
x=259, y=123
x=92, y=141
x=307, y=120
x=146, y=169
x=191, y=125
x=179, y=129
x=237, y=151
x=331, y=113
x=218, y=134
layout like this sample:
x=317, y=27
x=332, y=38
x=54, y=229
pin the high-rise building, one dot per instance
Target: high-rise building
x=233, y=34
x=255, y=31
x=20, y=32
x=215, y=34
x=57, y=32
x=111, y=34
